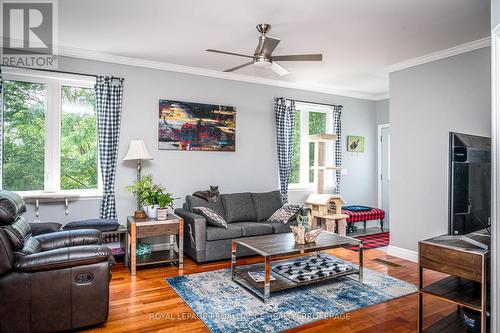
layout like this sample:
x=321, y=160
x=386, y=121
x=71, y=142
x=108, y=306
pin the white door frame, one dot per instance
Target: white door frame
x=495, y=186
x=379, y=162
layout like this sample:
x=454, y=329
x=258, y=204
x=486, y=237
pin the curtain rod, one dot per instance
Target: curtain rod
x=62, y=72
x=308, y=102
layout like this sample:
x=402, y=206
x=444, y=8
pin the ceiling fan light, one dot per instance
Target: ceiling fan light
x=263, y=64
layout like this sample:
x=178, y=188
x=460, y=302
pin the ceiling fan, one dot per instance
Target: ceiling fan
x=263, y=54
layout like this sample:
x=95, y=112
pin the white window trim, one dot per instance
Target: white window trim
x=305, y=109
x=54, y=81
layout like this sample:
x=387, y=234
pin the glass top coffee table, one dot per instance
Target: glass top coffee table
x=276, y=246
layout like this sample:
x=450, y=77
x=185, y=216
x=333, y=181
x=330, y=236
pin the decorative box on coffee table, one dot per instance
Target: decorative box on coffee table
x=145, y=228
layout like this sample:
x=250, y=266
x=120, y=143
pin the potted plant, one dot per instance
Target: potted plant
x=147, y=194
x=165, y=200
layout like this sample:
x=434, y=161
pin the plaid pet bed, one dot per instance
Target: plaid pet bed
x=372, y=241
x=359, y=216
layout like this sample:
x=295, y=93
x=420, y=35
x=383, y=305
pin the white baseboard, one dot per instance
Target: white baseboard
x=402, y=253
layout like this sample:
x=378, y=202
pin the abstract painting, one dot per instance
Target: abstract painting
x=356, y=144
x=196, y=126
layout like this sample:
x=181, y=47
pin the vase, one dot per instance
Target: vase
x=151, y=211
x=162, y=214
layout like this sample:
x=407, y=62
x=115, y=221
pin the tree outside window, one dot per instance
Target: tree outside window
x=28, y=112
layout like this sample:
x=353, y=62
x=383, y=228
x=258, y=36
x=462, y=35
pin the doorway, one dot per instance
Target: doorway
x=384, y=170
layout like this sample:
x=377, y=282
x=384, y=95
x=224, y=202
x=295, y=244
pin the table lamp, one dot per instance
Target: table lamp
x=137, y=151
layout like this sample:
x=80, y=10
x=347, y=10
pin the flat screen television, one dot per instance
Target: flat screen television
x=469, y=183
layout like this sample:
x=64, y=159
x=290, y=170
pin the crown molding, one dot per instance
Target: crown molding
x=380, y=97
x=453, y=51
x=138, y=62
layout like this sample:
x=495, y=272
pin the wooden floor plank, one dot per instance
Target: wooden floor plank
x=146, y=303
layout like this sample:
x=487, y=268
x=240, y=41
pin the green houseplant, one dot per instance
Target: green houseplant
x=165, y=201
x=147, y=194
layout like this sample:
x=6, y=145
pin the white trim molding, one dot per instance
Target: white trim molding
x=379, y=163
x=138, y=62
x=495, y=186
x=453, y=51
x=402, y=253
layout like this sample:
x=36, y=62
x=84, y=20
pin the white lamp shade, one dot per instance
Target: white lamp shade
x=137, y=151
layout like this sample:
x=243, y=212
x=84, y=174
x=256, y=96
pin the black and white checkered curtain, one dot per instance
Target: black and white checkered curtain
x=1, y=125
x=108, y=93
x=337, y=129
x=284, y=111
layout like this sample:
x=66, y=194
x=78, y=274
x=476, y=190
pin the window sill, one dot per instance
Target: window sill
x=305, y=188
x=61, y=195
x=299, y=187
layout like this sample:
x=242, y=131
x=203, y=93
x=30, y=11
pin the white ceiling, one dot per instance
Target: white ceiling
x=359, y=38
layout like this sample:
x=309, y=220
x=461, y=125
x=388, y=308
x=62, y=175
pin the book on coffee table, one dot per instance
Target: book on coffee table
x=259, y=276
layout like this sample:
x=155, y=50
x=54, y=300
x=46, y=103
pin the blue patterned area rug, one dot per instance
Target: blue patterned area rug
x=224, y=306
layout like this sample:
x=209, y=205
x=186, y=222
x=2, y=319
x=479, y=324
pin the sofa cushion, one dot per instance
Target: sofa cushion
x=216, y=206
x=213, y=218
x=266, y=204
x=280, y=228
x=215, y=233
x=238, y=207
x=254, y=228
x=18, y=232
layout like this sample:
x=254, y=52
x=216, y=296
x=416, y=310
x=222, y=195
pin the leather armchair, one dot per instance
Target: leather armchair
x=50, y=282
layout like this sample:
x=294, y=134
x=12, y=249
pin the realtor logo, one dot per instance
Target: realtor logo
x=29, y=31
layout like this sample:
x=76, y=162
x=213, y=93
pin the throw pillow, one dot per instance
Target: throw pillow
x=285, y=214
x=99, y=224
x=213, y=218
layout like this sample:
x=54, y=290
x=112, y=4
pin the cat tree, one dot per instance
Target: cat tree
x=326, y=209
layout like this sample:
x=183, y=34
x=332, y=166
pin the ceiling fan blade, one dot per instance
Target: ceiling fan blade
x=266, y=46
x=238, y=67
x=230, y=53
x=278, y=69
x=299, y=57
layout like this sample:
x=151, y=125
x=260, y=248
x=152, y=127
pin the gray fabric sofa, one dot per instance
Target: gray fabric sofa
x=246, y=214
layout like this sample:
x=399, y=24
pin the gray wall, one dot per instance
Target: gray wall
x=495, y=13
x=253, y=167
x=427, y=102
x=382, y=111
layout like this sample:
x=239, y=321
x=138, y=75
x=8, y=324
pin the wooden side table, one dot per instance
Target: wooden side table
x=144, y=228
x=466, y=285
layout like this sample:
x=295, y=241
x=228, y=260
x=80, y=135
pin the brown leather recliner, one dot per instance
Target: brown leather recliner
x=51, y=282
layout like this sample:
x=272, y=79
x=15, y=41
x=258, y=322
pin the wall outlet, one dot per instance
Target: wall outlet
x=36, y=221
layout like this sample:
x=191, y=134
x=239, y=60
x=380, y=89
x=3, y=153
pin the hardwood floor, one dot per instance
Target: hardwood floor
x=146, y=303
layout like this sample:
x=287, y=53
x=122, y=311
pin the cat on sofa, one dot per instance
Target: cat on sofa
x=210, y=195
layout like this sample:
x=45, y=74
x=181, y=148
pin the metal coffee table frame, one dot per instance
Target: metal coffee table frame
x=263, y=290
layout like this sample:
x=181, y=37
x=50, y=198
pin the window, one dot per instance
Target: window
x=49, y=134
x=310, y=119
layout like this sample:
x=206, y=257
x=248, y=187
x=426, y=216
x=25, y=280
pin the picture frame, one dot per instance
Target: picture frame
x=355, y=144
x=190, y=126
